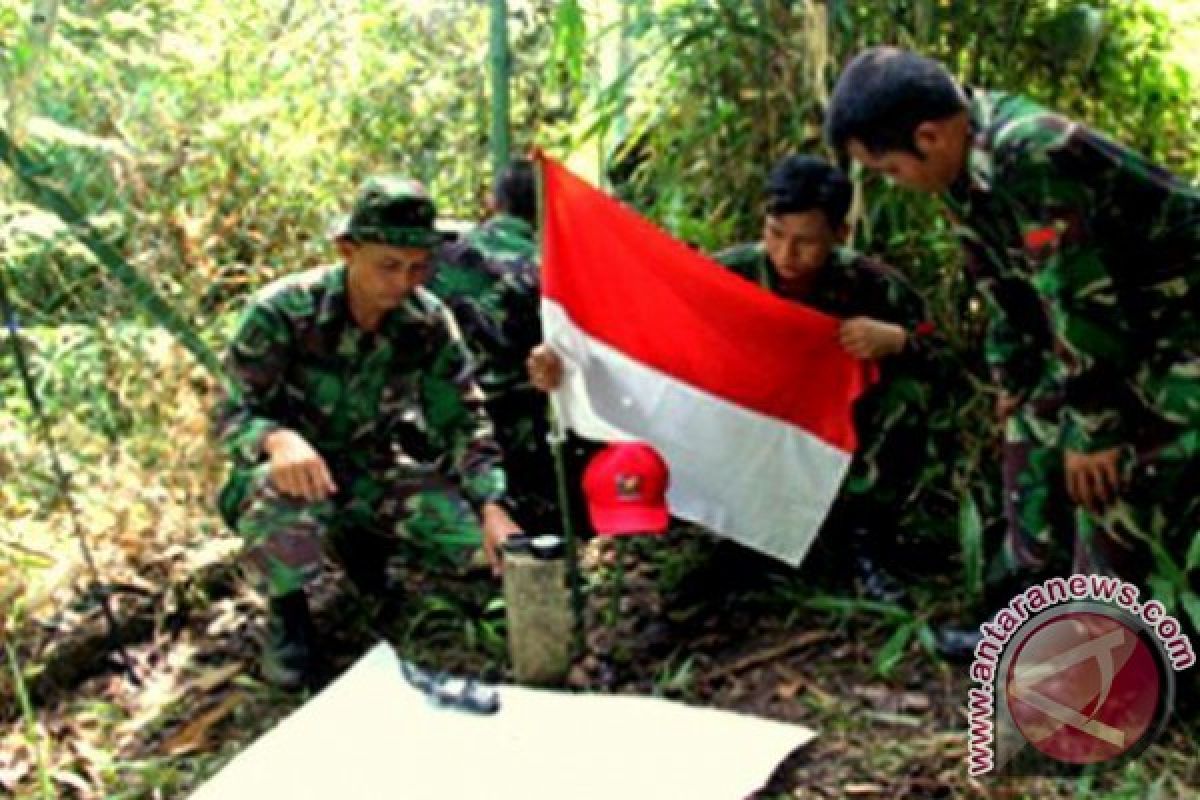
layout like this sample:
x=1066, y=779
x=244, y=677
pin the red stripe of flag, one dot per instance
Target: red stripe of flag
x=650, y=296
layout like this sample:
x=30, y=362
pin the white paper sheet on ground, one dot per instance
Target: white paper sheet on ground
x=372, y=735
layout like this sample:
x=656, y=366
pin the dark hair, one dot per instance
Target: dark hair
x=884, y=94
x=515, y=192
x=804, y=183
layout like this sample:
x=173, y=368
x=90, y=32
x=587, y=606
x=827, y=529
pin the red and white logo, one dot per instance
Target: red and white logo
x=1085, y=686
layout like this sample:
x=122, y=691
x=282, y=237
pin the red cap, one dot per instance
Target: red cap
x=626, y=485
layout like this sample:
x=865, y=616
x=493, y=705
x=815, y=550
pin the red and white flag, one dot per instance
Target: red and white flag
x=747, y=396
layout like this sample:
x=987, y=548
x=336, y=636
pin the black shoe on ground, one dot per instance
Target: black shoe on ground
x=876, y=583
x=288, y=657
x=957, y=642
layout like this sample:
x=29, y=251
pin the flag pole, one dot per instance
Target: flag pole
x=556, y=437
x=570, y=540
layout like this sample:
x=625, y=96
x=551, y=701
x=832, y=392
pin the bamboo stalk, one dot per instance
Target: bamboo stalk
x=500, y=63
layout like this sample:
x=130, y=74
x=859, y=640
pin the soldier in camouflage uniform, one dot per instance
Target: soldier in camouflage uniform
x=353, y=411
x=489, y=279
x=802, y=257
x=1109, y=244
x=1017, y=347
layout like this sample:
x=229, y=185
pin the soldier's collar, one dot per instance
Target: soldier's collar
x=335, y=305
x=335, y=302
x=842, y=257
x=980, y=165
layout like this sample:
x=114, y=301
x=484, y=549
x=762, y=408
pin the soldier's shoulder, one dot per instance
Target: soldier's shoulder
x=300, y=292
x=1024, y=134
x=458, y=253
x=504, y=237
x=461, y=270
x=869, y=266
x=306, y=284
x=740, y=256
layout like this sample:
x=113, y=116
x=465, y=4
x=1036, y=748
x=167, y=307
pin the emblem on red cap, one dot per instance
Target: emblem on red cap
x=625, y=485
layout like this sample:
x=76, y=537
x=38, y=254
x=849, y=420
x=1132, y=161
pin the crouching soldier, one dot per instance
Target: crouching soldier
x=803, y=257
x=489, y=279
x=352, y=414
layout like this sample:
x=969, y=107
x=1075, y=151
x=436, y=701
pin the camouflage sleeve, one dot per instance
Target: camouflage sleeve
x=1092, y=334
x=1016, y=339
x=255, y=363
x=454, y=403
x=518, y=293
x=497, y=310
x=903, y=305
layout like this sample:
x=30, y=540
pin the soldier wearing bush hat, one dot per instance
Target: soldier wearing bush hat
x=353, y=410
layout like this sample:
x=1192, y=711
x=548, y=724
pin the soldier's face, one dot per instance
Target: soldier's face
x=798, y=244
x=903, y=169
x=940, y=146
x=382, y=276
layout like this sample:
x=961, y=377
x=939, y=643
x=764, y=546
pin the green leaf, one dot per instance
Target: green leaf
x=1193, y=556
x=1166, y=566
x=27, y=171
x=970, y=537
x=1162, y=590
x=927, y=639
x=850, y=605
x=1191, y=607
x=893, y=649
x=570, y=38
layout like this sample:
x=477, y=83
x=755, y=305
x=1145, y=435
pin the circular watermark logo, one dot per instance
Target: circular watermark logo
x=1086, y=684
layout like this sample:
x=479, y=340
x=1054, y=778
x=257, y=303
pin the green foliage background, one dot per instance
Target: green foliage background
x=211, y=143
x=206, y=145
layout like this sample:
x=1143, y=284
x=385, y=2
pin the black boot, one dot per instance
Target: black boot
x=874, y=580
x=364, y=558
x=288, y=656
x=957, y=642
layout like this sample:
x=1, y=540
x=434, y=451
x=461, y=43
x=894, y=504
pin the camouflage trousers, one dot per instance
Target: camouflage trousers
x=371, y=516
x=886, y=469
x=1041, y=521
x=522, y=430
x=1144, y=538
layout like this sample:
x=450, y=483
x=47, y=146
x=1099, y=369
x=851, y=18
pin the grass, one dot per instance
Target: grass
x=35, y=739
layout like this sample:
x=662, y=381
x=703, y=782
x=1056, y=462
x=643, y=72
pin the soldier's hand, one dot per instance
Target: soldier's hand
x=297, y=469
x=545, y=368
x=1093, y=480
x=866, y=338
x=1006, y=404
x=497, y=526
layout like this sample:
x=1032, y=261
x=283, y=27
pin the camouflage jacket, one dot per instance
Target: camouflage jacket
x=1109, y=244
x=1018, y=343
x=850, y=285
x=402, y=397
x=489, y=280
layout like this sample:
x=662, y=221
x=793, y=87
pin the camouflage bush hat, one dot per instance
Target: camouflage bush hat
x=392, y=210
